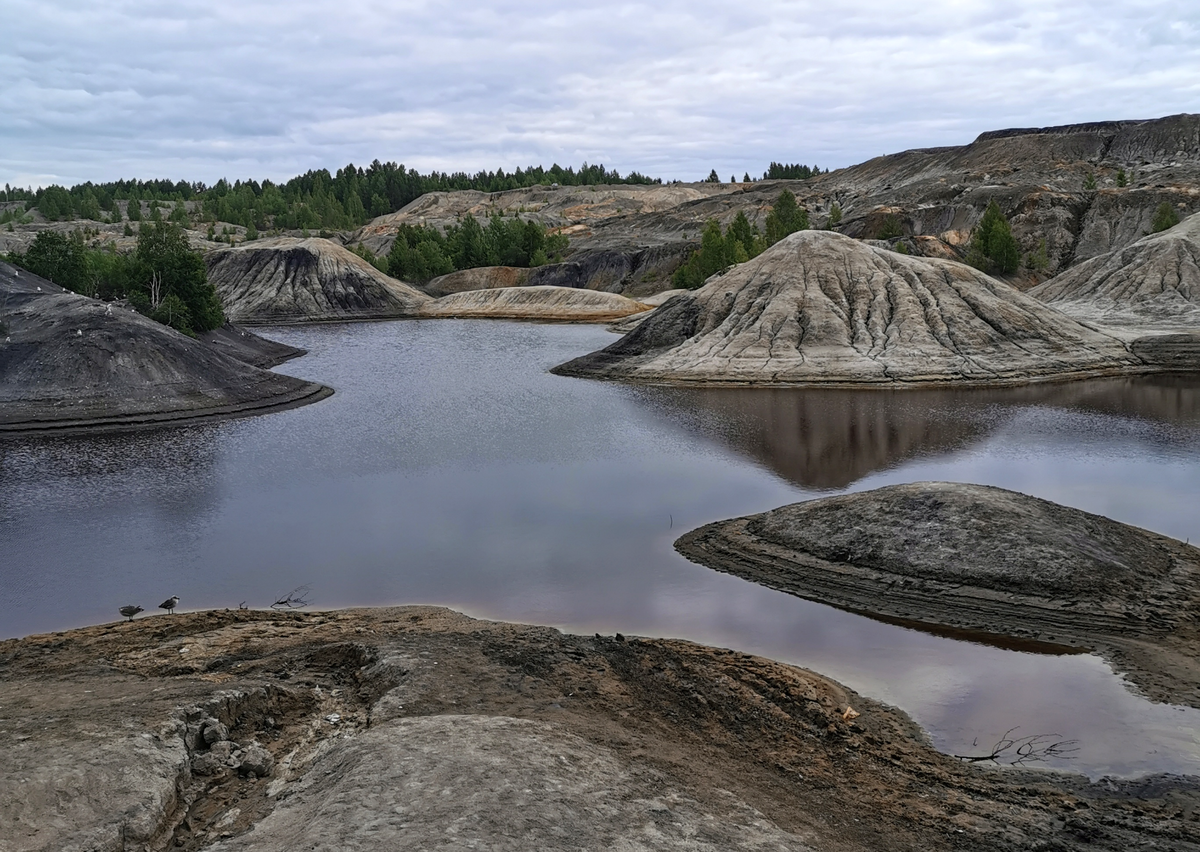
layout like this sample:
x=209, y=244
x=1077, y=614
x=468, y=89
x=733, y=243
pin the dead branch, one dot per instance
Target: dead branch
x=295, y=599
x=1018, y=751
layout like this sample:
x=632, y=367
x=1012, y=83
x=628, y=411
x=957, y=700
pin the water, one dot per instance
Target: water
x=451, y=468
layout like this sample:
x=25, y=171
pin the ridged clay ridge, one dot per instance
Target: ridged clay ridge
x=819, y=308
x=305, y=280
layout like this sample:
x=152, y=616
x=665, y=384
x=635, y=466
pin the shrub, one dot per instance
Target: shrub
x=1164, y=217
x=993, y=248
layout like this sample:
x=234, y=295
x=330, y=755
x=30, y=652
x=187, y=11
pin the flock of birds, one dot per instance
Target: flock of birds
x=169, y=605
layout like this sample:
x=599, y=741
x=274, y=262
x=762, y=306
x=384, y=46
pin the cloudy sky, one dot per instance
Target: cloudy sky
x=240, y=88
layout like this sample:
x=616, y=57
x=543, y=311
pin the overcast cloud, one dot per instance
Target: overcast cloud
x=240, y=88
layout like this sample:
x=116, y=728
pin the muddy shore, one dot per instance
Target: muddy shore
x=417, y=727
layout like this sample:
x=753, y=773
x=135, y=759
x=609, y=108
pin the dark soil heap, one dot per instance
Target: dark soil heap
x=70, y=362
x=305, y=280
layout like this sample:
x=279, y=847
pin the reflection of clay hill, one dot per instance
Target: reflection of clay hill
x=299, y=280
x=1153, y=283
x=823, y=438
x=564, y=304
x=67, y=361
x=819, y=308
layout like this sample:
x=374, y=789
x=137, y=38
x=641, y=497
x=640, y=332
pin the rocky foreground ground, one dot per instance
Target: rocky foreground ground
x=419, y=728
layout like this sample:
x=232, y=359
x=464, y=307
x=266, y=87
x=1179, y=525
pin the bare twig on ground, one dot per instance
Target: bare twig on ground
x=295, y=599
x=1018, y=751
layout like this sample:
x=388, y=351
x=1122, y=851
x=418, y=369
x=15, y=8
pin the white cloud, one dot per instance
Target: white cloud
x=256, y=89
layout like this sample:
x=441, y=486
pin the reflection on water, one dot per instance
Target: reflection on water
x=828, y=439
x=451, y=468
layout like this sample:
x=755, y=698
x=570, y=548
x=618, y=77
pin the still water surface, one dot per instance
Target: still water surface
x=451, y=468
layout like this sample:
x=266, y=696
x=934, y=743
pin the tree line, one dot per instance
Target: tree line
x=421, y=253
x=316, y=199
x=164, y=278
x=740, y=242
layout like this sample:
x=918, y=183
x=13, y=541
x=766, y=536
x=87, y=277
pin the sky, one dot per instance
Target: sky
x=247, y=89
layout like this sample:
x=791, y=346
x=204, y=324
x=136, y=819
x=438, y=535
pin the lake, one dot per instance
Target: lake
x=451, y=468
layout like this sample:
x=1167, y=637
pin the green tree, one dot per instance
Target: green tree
x=57, y=258
x=711, y=258
x=169, y=266
x=835, y=216
x=746, y=177
x=786, y=217
x=1122, y=178
x=712, y=177
x=890, y=228
x=134, y=210
x=993, y=247
x=742, y=233
x=1089, y=181
x=1164, y=217
x=54, y=203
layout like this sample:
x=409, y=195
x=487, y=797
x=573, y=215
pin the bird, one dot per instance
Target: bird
x=169, y=604
x=130, y=611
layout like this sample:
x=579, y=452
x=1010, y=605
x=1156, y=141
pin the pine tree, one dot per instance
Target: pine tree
x=835, y=216
x=712, y=177
x=1164, y=217
x=786, y=217
x=993, y=247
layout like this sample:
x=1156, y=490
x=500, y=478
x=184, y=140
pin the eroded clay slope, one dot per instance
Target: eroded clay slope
x=67, y=362
x=543, y=303
x=819, y=308
x=305, y=280
x=1153, y=283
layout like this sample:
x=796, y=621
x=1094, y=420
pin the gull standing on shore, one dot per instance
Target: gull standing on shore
x=169, y=604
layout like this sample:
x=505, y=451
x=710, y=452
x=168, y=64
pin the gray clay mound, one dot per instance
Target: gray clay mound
x=1153, y=283
x=562, y=304
x=288, y=280
x=821, y=308
x=969, y=556
x=70, y=362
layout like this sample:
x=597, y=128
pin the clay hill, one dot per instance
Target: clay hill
x=1152, y=283
x=564, y=304
x=303, y=280
x=819, y=308
x=70, y=362
x=974, y=557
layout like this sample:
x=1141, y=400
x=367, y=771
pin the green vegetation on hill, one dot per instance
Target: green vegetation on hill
x=315, y=200
x=421, y=253
x=790, y=171
x=1165, y=217
x=993, y=247
x=740, y=241
x=164, y=279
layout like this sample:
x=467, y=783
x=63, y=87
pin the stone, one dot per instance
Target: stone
x=257, y=760
x=208, y=764
x=213, y=731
